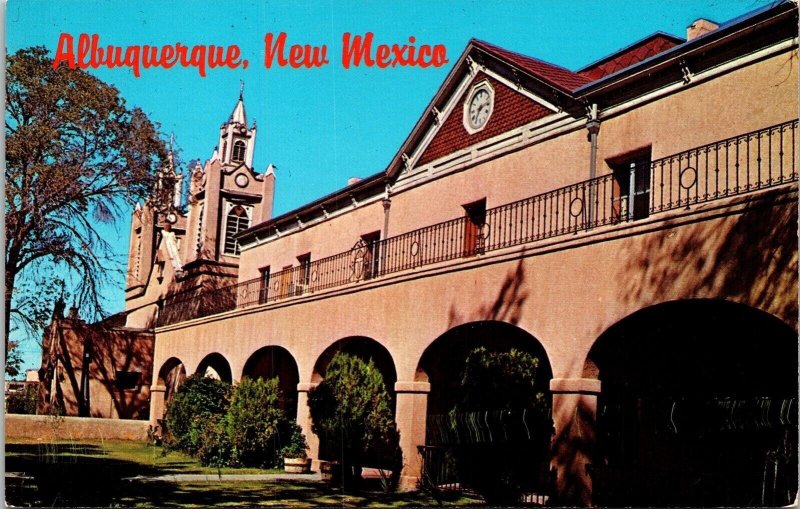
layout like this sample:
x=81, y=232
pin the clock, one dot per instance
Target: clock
x=478, y=108
x=172, y=217
x=241, y=180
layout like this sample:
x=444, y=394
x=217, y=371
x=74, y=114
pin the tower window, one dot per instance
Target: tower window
x=236, y=221
x=238, y=151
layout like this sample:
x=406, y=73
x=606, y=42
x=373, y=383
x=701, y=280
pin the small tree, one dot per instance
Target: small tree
x=255, y=424
x=198, y=400
x=24, y=401
x=351, y=409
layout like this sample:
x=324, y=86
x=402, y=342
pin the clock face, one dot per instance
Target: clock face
x=241, y=180
x=171, y=217
x=480, y=106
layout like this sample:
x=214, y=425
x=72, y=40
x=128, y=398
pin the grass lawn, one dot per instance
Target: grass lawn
x=90, y=473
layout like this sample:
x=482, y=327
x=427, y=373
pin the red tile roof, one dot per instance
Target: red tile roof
x=559, y=77
x=633, y=54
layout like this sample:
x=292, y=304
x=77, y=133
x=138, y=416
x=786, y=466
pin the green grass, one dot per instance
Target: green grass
x=91, y=473
x=149, y=456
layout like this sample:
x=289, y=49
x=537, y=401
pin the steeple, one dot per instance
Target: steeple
x=236, y=140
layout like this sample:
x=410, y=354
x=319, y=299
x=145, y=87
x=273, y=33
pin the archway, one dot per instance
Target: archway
x=698, y=407
x=214, y=365
x=489, y=410
x=171, y=376
x=275, y=361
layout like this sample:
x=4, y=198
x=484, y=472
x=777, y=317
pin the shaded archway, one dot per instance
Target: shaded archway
x=171, y=376
x=214, y=365
x=698, y=407
x=506, y=429
x=366, y=349
x=275, y=361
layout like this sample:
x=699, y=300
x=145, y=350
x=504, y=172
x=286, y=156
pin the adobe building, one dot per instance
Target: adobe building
x=632, y=224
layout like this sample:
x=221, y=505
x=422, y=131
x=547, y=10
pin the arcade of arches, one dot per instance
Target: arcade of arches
x=681, y=397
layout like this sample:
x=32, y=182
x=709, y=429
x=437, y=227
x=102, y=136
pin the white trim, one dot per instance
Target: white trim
x=700, y=77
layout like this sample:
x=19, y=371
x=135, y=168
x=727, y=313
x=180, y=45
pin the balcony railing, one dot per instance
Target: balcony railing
x=734, y=166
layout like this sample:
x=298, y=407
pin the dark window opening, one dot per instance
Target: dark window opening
x=263, y=287
x=474, y=221
x=631, y=193
x=238, y=151
x=304, y=274
x=127, y=380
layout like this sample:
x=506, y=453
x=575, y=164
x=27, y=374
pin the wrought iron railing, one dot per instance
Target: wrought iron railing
x=734, y=166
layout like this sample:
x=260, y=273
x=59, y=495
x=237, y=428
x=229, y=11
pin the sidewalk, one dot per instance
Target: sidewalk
x=312, y=477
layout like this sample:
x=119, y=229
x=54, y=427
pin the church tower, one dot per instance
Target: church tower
x=189, y=247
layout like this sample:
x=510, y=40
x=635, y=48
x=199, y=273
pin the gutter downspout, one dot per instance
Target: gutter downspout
x=593, y=125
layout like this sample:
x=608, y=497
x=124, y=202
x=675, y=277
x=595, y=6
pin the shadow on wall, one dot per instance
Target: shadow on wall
x=749, y=258
x=506, y=307
x=119, y=370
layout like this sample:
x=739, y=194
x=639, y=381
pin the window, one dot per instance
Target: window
x=286, y=281
x=372, y=255
x=631, y=193
x=473, y=223
x=304, y=274
x=263, y=287
x=238, y=151
x=127, y=380
x=236, y=221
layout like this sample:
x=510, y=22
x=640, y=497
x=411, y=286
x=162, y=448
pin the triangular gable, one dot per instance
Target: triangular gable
x=511, y=109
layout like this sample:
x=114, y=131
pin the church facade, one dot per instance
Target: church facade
x=632, y=224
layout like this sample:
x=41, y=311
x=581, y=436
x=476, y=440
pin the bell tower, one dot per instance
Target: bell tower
x=237, y=141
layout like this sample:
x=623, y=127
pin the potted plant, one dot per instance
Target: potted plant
x=295, y=460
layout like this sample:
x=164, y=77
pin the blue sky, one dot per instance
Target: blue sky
x=322, y=126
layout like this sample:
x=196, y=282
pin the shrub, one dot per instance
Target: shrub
x=297, y=446
x=24, y=401
x=215, y=448
x=351, y=409
x=255, y=424
x=197, y=399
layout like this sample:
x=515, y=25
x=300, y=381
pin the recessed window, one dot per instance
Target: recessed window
x=263, y=289
x=127, y=380
x=238, y=151
x=474, y=220
x=631, y=193
x=304, y=274
x=372, y=254
x=236, y=221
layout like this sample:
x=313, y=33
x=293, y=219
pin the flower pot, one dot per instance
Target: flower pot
x=330, y=471
x=296, y=465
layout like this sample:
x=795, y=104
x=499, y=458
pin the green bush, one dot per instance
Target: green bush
x=255, y=424
x=198, y=399
x=502, y=470
x=23, y=402
x=351, y=409
x=297, y=445
x=215, y=448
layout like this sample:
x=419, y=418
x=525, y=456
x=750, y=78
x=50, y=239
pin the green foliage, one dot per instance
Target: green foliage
x=499, y=381
x=215, y=448
x=23, y=402
x=505, y=468
x=13, y=359
x=255, y=423
x=351, y=410
x=297, y=446
x=197, y=399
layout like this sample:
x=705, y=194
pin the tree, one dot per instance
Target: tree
x=75, y=156
x=351, y=409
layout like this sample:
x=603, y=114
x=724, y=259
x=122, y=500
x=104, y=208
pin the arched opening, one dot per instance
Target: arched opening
x=236, y=221
x=364, y=348
x=489, y=410
x=698, y=407
x=238, y=151
x=214, y=365
x=275, y=361
x=171, y=376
